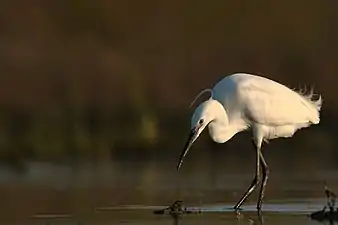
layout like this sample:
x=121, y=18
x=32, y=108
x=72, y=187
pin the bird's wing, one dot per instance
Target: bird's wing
x=270, y=103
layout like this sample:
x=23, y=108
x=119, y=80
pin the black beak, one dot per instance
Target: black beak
x=187, y=146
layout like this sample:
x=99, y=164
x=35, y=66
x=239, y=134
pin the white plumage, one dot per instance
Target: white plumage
x=242, y=101
x=265, y=105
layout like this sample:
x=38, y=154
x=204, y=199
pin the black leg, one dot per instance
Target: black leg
x=251, y=188
x=253, y=184
x=265, y=171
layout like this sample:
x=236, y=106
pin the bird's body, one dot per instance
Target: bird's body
x=266, y=106
x=243, y=101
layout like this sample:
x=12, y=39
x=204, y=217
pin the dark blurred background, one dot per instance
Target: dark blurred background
x=109, y=83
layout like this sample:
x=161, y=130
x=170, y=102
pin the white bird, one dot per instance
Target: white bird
x=243, y=101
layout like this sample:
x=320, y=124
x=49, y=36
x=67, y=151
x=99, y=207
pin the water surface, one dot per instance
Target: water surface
x=128, y=193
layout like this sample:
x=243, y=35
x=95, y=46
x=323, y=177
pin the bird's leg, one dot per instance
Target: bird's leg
x=254, y=182
x=265, y=170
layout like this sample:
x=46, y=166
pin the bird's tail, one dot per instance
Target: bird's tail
x=313, y=105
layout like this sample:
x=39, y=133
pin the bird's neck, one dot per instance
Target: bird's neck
x=222, y=130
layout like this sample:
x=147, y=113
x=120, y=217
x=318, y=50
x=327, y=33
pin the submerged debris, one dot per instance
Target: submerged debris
x=176, y=209
x=331, y=198
x=329, y=212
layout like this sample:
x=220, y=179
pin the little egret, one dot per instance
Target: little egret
x=242, y=101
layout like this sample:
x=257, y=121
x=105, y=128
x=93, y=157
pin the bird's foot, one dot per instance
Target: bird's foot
x=237, y=208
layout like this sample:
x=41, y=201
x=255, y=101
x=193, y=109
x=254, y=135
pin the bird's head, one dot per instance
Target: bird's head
x=204, y=114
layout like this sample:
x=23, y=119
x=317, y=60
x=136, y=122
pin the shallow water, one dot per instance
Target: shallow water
x=127, y=193
x=287, y=213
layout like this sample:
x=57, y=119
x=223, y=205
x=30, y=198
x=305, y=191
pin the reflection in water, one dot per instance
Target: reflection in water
x=176, y=218
x=260, y=218
x=257, y=220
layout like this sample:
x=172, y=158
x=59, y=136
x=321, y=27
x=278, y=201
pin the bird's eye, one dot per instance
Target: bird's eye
x=201, y=121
